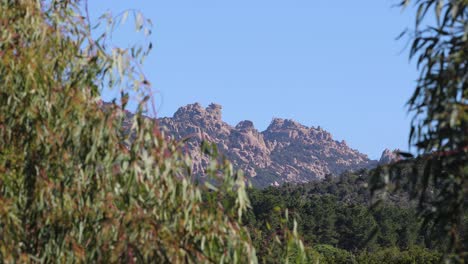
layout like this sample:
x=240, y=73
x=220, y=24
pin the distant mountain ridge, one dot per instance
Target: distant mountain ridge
x=286, y=151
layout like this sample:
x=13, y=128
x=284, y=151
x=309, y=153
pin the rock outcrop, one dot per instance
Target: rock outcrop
x=285, y=152
x=389, y=156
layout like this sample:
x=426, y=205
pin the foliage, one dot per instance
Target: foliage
x=337, y=225
x=78, y=185
x=335, y=221
x=331, y=255
x=395, y=255
x=439, y=103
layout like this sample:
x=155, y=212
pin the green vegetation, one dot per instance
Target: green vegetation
x=338, y=225
x=438, y=178
x=80, y=185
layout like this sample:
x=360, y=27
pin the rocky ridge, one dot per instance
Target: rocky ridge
x=286, y=151
x=389, y=156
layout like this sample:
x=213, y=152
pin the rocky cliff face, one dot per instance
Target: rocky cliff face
x=285, y=152
x=389, y=156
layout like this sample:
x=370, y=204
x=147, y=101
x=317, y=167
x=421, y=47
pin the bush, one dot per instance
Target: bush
x=330, y=254
x=414, y=255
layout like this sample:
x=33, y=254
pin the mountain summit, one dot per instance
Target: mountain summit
x=286, y=151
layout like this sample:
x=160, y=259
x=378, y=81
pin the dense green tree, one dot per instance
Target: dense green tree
x=407, y=231
x=387, y=219
x=319, y=216
x=332, y=255
x=356, y=226
x=335, y=214
x=394, y=255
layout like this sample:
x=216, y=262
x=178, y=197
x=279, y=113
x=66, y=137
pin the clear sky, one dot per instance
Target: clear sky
x=334, y=64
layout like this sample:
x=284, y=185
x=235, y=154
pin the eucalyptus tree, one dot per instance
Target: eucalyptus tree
x=438, y=175
x=77, y=184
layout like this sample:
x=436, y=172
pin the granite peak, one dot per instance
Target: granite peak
x=286, y=151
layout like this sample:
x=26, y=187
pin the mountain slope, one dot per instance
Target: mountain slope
x=285, y=152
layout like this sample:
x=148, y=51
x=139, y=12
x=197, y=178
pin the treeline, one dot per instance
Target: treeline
x=338, y=224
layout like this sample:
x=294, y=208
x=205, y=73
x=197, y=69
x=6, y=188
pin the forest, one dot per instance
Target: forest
x=338, y=223
x=80, y=184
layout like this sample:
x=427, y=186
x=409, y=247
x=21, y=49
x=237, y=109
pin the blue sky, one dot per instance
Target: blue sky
x=334, y=64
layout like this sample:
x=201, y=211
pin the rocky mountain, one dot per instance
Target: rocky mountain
x=286, y=151
x=389, y=156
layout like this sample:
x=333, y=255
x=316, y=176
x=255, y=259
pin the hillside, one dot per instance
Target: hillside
x=286, y=151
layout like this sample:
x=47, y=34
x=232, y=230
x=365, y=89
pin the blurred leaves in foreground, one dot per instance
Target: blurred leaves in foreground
x=437, y=177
